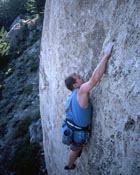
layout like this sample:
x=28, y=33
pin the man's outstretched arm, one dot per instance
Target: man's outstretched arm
x=98, y=72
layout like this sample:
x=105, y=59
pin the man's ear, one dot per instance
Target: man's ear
x=75, y=85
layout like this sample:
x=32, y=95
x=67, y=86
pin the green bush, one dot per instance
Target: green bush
x=28, y=89
x=25, y=105
x=22, y=127
x=34, y=67
x=25, y=160
x=10, y=9
x=4, y=42
x=36, y=115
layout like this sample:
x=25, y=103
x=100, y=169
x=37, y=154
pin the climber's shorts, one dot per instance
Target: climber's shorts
x=76, y=146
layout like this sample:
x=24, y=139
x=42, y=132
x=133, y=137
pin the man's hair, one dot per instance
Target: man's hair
x=69, y=81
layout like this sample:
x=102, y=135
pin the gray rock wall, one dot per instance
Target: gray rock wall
x=74, y=35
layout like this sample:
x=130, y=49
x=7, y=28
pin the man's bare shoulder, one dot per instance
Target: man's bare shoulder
x=82, y=98
x=85, y=88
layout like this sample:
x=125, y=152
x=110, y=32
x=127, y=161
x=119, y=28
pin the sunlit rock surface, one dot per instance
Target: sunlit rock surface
x=74, y=35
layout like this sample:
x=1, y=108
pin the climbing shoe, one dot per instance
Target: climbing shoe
x=70, y=168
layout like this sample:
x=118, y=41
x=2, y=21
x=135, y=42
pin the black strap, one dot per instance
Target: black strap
x=73, y=126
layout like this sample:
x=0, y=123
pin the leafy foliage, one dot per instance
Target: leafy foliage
x=31, y=7
x=4, y=42
x=10, y=9
x=25, y=160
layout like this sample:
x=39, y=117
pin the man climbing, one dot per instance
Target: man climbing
x=81, y=109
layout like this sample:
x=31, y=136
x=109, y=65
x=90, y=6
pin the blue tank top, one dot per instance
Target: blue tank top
x=80, y=116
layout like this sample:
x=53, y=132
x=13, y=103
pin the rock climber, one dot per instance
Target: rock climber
x=81, y=106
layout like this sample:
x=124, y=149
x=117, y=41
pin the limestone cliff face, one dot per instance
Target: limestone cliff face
x=74, y=35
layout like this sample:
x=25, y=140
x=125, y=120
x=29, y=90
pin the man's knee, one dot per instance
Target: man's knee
x=76, y=147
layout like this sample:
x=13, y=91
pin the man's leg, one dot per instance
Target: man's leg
x=76, y=150
x=72, y=158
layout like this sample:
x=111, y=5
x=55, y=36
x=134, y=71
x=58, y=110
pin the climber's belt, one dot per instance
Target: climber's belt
x=74, y=126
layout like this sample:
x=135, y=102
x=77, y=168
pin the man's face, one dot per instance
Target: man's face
x=78, y=81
